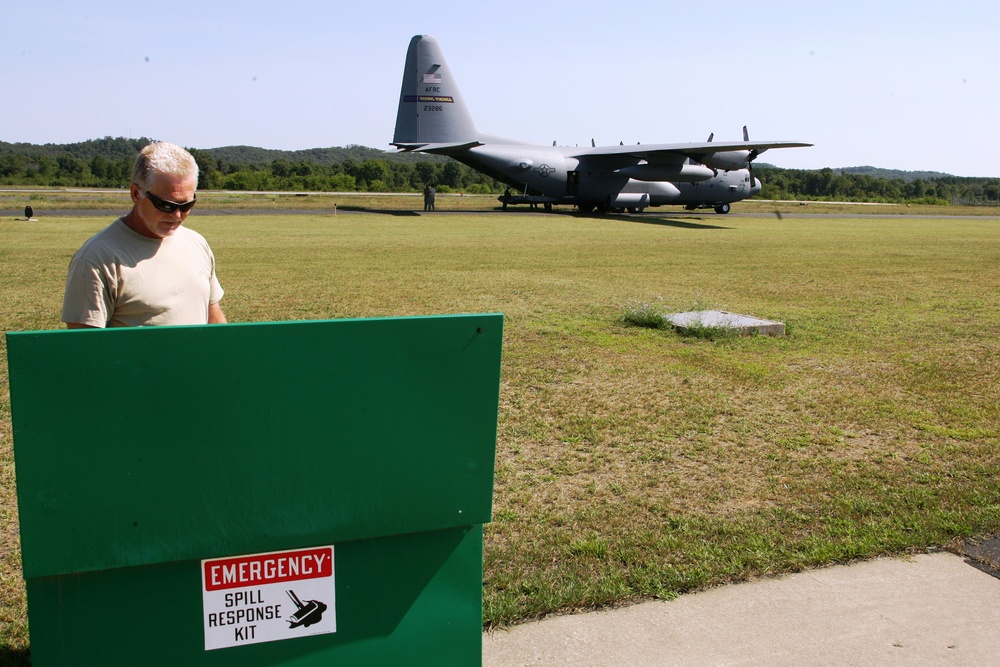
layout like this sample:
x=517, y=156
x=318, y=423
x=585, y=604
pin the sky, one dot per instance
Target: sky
x=910, y=85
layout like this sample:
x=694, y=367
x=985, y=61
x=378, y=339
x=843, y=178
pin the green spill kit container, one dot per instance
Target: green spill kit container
x=297, y=493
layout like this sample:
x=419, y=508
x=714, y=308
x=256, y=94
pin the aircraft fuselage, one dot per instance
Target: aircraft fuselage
x=564, y=179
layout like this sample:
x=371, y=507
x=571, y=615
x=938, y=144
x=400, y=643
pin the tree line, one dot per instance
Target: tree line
x=857, y=186
x=107, y=163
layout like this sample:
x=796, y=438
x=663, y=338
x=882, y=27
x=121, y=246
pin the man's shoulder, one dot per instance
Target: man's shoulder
x=184, y=230
x=191, y=239
x=109, y=238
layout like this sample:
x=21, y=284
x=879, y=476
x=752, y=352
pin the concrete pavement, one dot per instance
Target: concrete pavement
x=931, y=609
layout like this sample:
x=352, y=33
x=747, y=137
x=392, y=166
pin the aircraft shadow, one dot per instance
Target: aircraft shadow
x=653, y=220
x=672, y=222
x=362, y=209
x=642, y=219
x=405, y=214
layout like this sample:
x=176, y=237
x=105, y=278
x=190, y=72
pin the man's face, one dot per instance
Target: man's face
x=153, y=222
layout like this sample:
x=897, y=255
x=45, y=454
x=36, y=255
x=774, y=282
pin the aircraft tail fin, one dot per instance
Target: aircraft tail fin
x=431, y=108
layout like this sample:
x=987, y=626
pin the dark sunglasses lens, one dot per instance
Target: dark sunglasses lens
x=169, y=206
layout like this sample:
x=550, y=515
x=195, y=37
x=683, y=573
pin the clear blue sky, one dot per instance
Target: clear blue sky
x=900, y=84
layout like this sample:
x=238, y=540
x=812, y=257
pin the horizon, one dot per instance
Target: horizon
x=758, y=164
x=857, y=80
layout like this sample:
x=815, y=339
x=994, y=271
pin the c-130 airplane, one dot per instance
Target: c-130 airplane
x=433, y=118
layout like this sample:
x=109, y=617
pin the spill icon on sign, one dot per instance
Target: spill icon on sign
x=308, y=613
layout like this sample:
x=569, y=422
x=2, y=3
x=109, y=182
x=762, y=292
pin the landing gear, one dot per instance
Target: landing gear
x=604, y=208
x=722, y=208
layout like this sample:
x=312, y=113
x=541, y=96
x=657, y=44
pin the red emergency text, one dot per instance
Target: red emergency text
x=270, y=568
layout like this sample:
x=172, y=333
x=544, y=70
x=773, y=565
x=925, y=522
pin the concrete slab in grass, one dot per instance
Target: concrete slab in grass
x=745, y=324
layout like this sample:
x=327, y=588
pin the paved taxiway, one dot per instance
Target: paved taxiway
x=931, y=609
x=673, y=213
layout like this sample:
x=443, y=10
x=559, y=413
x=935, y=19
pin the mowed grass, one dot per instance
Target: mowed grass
x=632, y=462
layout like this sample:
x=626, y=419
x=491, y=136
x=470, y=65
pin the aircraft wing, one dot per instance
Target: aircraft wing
x=673, y=152
x=440, y=149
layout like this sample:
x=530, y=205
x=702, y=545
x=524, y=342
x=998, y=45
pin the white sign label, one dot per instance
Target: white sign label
x=267, y=597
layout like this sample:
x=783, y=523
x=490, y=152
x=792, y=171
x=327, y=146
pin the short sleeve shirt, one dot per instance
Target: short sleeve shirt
x=122, y=278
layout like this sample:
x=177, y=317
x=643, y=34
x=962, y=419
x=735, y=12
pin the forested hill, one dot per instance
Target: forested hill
x=108, y=148
x=119, y=147
x=894, y=173
x=107, y=163
x=861, y=184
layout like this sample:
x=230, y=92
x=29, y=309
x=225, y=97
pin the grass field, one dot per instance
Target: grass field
x=633, y=462
x=53, y=198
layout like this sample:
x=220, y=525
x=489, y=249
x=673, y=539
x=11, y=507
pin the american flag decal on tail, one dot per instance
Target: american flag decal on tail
x=431, y=75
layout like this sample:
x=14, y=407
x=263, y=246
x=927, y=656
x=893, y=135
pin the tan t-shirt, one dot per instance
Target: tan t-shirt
x=121, y=278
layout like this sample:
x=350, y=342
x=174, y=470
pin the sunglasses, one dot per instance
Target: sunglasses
x=168, y=206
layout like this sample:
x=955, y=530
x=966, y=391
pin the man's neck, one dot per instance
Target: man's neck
x=132, y=223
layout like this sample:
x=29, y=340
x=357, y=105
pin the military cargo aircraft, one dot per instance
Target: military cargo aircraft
x=433, y=118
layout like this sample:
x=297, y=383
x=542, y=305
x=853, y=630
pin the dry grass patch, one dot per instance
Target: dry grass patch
x=632, y=462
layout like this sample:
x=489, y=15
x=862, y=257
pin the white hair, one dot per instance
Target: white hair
x=164, y=158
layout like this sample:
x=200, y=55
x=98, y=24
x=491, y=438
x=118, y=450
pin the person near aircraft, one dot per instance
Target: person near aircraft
x=146, y=268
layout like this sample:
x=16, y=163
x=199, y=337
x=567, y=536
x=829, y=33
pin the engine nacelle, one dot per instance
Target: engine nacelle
x=726, y=160
x=678, y=173
x=629, y=199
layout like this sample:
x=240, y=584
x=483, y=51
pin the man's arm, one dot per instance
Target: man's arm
x=215, y=314
x=86, y=301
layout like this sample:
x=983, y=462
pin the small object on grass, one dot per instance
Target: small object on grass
x=719, y=320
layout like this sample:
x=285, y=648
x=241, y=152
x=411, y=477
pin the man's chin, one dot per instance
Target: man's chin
x=164, y=231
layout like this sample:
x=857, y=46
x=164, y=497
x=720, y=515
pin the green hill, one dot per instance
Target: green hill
x=107, y=163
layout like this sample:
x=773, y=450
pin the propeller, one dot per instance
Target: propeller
x=750, y=158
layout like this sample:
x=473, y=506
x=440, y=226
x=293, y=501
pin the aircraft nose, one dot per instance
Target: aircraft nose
x=755, y=188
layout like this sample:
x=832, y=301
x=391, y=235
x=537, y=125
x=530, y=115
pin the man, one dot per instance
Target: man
x=145, y=268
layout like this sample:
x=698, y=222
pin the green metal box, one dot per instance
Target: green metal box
x=297, y=493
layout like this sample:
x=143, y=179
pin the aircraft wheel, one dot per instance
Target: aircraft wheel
x=722, y=208
x=586, y=208
x=548, y=208
x=634, y=209
x=617, y=209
